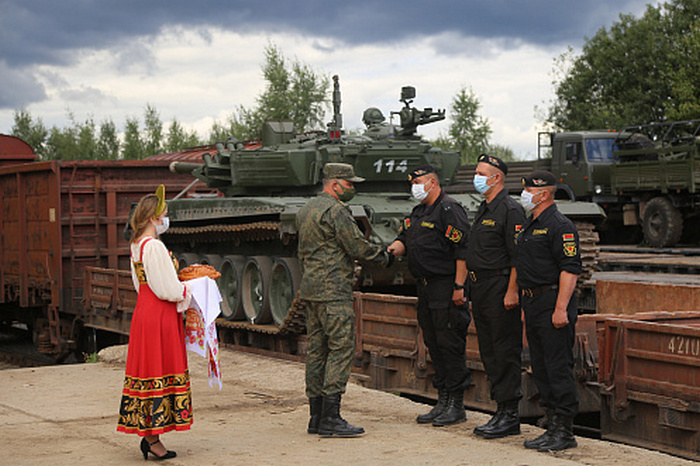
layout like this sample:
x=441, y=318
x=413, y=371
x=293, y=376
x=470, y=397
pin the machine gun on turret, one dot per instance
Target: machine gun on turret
x=411, y=117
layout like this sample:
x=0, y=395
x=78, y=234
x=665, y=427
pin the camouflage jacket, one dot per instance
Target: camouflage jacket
x=329, y=242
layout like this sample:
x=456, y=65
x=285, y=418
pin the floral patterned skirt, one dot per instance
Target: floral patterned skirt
x=156, y=397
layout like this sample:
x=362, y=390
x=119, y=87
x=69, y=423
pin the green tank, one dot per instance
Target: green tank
x=249, y=234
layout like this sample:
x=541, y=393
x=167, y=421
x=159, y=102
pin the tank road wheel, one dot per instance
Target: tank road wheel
x=284, y=283
x=230, y=287
x=662, y=223
x=255, y=284
x=186, y=259
x=215, y=261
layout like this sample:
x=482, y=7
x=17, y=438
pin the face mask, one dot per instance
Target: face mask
x=418, y=191
x=526, y=201
x=160, y=229
x=480, y=183
x=346, y=194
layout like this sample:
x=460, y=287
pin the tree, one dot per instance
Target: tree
x=153, y=132
x=469, y=132
x=178, y=138
x=639, y=71
x=133, y=144
x=295, y=92
x=32, y=132
x=108, y=143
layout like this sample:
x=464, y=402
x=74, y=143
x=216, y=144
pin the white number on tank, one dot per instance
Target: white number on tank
x=391, y=165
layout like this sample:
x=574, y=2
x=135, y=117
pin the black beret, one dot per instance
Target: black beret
x=420, y=171
x=493, y=161
x=539, y=179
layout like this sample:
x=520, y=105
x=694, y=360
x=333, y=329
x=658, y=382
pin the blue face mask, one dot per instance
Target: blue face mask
x=480, y=183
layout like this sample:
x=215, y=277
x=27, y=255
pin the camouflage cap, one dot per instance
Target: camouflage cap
x=341, y=171
x=539, y=179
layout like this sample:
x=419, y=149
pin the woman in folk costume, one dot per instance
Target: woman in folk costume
x=156, y=396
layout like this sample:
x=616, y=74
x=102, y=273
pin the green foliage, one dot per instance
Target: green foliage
x=108, y=143
x=133, y=148
x=32, y=132
x=178, y=138
x=90, y=358
x=639, y=71
x=469, y=132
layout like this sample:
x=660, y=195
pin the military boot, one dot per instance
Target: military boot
x=544, y=421
x=479, y=430
x=315, y=408
x=507, y=424
x=331, y=424
x=563, y=435
x=438, y=409
x=454, y=413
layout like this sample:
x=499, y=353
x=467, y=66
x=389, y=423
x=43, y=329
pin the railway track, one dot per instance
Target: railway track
x=17, y=350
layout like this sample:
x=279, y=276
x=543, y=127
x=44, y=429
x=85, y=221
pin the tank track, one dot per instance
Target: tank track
x=294, y=323
x=588, y=244
x=256, y=231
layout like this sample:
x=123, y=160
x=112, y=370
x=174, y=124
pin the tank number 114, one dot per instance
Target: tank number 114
x=391, y=165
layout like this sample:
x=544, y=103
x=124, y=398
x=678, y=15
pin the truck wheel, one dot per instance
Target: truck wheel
x=662, y=223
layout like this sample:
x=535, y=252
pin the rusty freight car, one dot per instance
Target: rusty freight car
x=56, y=219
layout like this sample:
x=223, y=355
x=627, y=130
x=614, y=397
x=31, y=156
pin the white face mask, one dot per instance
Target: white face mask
x=160, y=229
x=418, y=192
x=526, y=200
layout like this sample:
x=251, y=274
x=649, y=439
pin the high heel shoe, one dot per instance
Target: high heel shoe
x=146, y=449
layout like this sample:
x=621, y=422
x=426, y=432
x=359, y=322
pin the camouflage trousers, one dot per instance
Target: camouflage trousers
x=330, y=327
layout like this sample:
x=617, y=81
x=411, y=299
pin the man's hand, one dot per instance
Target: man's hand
x=458, y=297
x=559, y=318
x=510, y=300
x=397, y=248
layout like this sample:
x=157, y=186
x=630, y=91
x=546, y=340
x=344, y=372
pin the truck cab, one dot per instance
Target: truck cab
x=582, y=161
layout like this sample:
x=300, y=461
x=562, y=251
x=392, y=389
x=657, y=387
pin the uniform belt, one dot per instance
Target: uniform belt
x=484, y=274
x=538, y=290
x=425, y=280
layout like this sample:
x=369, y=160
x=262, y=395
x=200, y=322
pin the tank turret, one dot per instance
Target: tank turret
x=285, y=163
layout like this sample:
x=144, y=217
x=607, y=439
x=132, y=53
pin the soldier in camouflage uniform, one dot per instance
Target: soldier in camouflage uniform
x=329, y=243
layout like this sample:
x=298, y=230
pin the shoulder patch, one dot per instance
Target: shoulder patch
x=453, y=234
x=570, y=249
x=567, y=237
x=406, y=223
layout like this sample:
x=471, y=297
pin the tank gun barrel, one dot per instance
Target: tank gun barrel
x=184, y=167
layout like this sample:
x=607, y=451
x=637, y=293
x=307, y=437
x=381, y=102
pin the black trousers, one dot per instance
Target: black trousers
x=500, y=334
x=552, y=352
x=444, y=327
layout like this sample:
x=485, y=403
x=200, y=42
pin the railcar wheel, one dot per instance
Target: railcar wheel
x=255, y=284
x=284, y=283
x=662, y=223
x=230, y=287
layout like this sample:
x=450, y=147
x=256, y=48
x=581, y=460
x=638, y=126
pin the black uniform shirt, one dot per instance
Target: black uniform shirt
x=435, y=236
x=492, y=237
x=547, y=246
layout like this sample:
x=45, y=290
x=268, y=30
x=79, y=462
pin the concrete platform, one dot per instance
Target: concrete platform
x=66, y=415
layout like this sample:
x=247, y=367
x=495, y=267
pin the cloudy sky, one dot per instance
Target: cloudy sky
x=196, y=61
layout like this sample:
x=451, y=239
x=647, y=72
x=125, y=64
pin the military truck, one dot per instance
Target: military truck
x=645, y=177
x=250, y=234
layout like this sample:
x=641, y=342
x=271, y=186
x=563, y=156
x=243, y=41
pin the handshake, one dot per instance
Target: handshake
x=395, y=249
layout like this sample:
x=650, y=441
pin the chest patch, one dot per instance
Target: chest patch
x=453, y=234
x=427, y=225
x=488, y=222
x=541, y=231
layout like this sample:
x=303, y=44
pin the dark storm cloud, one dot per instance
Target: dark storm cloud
x=46, y=31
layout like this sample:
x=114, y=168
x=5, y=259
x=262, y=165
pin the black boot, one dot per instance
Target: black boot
x=479, y=430
x=438, y=409
x=563, y=435
x=544, y=421
x=315, y=408
x=454, y=413
x=331, y=424
x=507, y=424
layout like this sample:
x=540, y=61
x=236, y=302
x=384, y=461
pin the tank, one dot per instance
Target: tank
x=249, y=234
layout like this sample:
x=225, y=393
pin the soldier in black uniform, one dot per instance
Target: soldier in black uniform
x=435, y=238
x=494, y=293
x=548, y=264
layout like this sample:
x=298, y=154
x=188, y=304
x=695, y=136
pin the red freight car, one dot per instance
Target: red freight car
x=14, y=150
x=56, y=219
